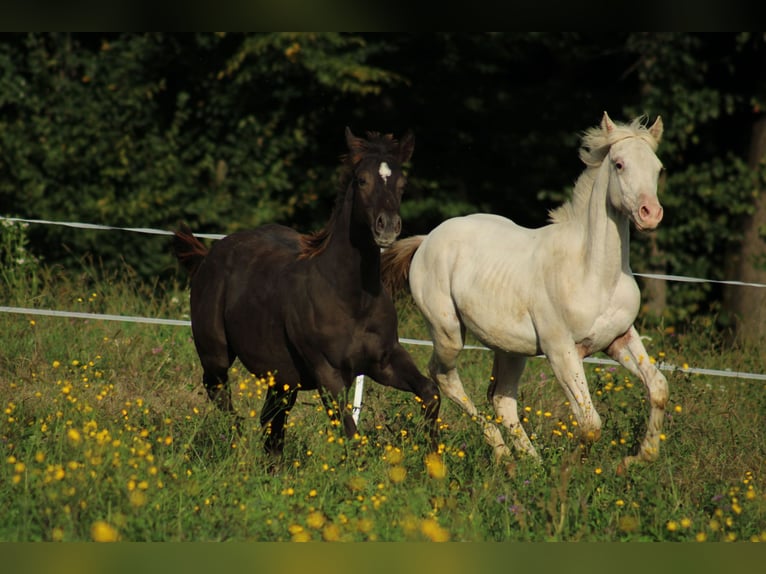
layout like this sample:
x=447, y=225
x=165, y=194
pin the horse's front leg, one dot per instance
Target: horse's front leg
x=566, y=362
x=629, y=351
x=276, y=408
x=400, y=372
x=333, y=389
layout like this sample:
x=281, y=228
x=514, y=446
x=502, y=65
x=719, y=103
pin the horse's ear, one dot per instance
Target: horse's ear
x=406, y=147
x=355, y=146
x=606, y=123
x=351, y=141
x=656, y=129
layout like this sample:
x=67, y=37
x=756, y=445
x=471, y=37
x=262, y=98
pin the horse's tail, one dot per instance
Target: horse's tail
x=395, y=263
x=188, y=249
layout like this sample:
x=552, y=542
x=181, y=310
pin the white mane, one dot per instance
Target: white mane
x=596, y=142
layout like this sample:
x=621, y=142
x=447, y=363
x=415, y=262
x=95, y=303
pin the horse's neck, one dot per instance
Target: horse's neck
x=607, y=233
x=351, y=257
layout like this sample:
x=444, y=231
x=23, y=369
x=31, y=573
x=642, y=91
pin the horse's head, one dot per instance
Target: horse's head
x=634, y=172
x=378, y=182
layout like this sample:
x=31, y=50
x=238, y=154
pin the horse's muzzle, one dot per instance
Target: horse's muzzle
x=648, y=215
x=386, y=229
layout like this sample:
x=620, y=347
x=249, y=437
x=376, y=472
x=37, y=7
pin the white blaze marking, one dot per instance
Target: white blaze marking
x=384, y=171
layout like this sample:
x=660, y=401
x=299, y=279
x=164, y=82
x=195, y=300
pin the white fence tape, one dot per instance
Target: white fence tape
x=403, y=340
x=79, y=225
x=148, y=230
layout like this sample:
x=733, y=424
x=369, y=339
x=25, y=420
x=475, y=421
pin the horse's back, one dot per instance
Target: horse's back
x=470, y=241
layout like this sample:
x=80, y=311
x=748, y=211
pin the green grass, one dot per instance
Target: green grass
x=106, y=433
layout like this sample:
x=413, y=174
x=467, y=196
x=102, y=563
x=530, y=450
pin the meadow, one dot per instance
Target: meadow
x=107, y=435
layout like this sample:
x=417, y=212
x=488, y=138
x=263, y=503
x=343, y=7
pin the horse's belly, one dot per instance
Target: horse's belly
x=512, y=331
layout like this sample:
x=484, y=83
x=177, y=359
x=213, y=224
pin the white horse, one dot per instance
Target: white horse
x=565, y=289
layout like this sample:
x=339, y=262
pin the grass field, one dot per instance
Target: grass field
x=107, y=435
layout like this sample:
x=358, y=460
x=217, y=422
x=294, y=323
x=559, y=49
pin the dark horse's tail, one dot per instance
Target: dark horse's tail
x=395, y=263
x=188, y=249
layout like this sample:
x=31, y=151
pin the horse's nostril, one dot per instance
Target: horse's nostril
x=649, y=212
x=380, y=223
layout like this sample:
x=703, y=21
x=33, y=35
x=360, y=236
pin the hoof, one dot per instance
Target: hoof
x=622, y=468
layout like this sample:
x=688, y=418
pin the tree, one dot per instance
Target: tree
x=748, y=263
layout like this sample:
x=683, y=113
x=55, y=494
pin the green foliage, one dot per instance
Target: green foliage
x=218, y=130
x=19, y=268
x=229, y=131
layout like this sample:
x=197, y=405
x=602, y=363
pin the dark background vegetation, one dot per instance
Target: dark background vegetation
x=229, y=131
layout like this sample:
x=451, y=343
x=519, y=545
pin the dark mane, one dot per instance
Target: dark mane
x=376, y=144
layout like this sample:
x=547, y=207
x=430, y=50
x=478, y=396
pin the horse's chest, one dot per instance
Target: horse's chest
x=344, y=334
x=608, y=317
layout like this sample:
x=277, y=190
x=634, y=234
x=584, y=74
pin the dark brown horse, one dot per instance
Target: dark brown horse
x=310, y=309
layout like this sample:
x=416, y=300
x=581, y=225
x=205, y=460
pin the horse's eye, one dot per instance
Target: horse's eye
x=619, y=165
x=362, y=180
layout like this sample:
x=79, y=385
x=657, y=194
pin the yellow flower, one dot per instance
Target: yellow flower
x=331, y=533
x=627, y=523
x=701, y=537
x=299, y=533
x=672, y=525
x=102, y=531
x=435, y=466
x=315, y=520
x=397, y=474
x=364, y=525
x=74, y=436
x=357, y=483
x=57, y=534
x=686, y=522
x=394, y=456
x=137, y=498
x=433, y=531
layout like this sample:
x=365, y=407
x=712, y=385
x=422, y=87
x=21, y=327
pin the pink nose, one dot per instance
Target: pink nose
x=650, y=214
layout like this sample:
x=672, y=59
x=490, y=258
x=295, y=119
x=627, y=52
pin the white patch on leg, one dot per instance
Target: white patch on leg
x=384, y=171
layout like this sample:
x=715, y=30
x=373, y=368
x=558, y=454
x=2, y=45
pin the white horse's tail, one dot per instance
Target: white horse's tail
x=395, y=263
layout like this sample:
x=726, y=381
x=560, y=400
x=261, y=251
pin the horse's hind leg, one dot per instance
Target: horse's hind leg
x=448, y=340
x=629, y=351
x=507, y=370
x=215, y=378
